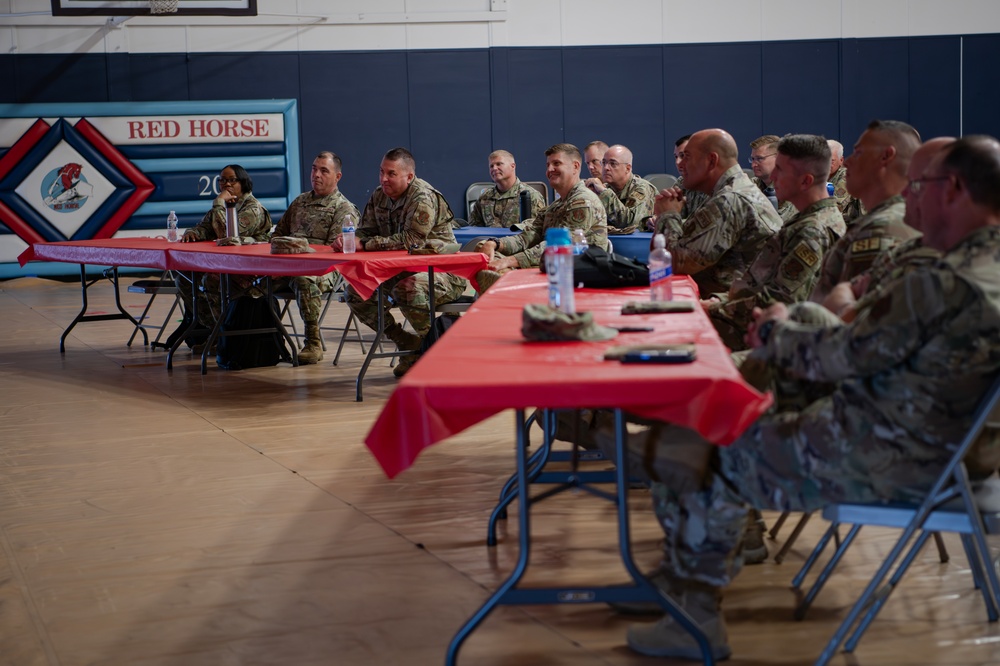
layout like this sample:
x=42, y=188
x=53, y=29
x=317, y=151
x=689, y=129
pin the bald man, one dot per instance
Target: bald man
x=850, y=207
x=720, y=240
x=627, y=198
x=876, y=174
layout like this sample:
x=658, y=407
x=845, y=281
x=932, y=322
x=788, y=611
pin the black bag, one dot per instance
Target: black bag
x=598, y=269
x=441, y=325
x=253, y=350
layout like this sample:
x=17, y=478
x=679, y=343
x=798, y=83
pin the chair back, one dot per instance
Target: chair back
x=541, y=187
x=661, y=181
x=472, y=194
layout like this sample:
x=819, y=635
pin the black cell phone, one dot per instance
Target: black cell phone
x=634, y=329
x=679, y=355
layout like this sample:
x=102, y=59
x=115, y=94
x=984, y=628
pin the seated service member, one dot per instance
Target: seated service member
x=500, y=206
x=317, y=216
x=254, y=222
x=627, y=198
x=850, y=207
x=576, y=208
x=403, y=212
x=721, y=239
x=907, y=376
x=593, y=154
x=763, y=151
x=788, y=266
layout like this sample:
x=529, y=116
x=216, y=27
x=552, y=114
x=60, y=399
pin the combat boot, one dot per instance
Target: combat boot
x=404, y=364
x=754, y=549
x=404, y=340
x=312, y=350
x=667, y=638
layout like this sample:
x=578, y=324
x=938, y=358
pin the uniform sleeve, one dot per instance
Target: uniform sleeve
x=537, y=202
x=285, y=223
x=882, y=337
x=637, y=206
x=700, y=241
x=254, y=222
x=418, y=221
x=797, y=272
x=526, y=247
x=205, y=230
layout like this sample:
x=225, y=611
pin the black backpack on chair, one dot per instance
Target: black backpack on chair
x=252, y=350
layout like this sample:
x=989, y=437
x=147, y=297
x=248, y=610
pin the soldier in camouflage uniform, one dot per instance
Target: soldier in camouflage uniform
x=908, y=376
x=500, y=206
x=876, y=173
x=693, y=199
x=317, y=216
x=627, y=198
x=788, y=266
x=254, y=222
x=405, y=212
x=720, y=240
x=576, y=208
x=850, y=207
x=593, y=154
x=763, y=151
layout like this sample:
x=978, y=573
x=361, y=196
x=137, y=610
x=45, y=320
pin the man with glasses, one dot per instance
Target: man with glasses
x=876, y=174
x=763, y=151
x=720, y=239
x=906, y=379
x=317, y=216
x=626, y=197
x=593, y=155
x=500, y=206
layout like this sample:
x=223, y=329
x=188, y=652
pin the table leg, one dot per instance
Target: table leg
x=83, y=316
x=194, y=320
x=640, y=590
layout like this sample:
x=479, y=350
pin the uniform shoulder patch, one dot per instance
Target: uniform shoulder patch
x=808, y=255
x=864, y=245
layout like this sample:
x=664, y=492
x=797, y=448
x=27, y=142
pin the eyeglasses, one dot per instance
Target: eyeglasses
x=755, y=159
x=611, y=163
x=228, y=181
x=917, y=186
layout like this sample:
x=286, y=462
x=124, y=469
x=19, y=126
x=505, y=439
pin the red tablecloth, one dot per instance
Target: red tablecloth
x=364, y=271
x=484, y=366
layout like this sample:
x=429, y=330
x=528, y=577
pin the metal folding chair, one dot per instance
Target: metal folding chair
x=165, y=286
x=948, y=507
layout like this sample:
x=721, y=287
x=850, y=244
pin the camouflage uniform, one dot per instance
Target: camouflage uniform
x=254, y=222
x=693, y=199
x=785, y=271
x=850, y=207
x=906, y=382
x=866, y=238
x=419, y=215
x=724, y=235
x=503, y=209
x=786, y=210
x=319, y=220
x=627, y=209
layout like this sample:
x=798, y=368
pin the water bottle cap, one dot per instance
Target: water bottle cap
x=557, y=236
x=659, y=241
x=171, y=212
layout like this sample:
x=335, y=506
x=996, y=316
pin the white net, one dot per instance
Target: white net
x=162, y=6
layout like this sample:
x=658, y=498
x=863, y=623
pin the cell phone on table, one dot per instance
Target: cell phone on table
x=674, y=355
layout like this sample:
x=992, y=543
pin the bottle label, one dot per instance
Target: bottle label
x=660, y=274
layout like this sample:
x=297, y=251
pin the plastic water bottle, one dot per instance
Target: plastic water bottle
x=232, y=223
x=579, y=241
x=660, y=271
x=559, y=267
x=172, y=227
x=350, y=246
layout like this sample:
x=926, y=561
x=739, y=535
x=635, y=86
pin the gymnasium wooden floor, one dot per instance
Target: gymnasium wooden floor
x=237, y=518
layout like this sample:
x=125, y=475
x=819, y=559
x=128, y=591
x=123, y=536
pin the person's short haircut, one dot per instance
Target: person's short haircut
x=810, y=152
x=592, y=144
x=567, y=149
x=901, y=136
x=327, y=155
x=683, y=139
x=766, y=140
x=246, y=182
x=500, y=153
x=402, y=155
x=975, y=160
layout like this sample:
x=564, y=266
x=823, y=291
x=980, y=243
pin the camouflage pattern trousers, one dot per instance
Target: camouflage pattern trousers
x=410, y=292
x=308, y=290
x=786, y=461
x=210, y=293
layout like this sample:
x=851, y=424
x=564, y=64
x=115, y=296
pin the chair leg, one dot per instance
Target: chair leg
x=142, y=318
x=170, y=313
x=773, y=532
x=941, y=548
x=799, y=526
x=824, y=575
